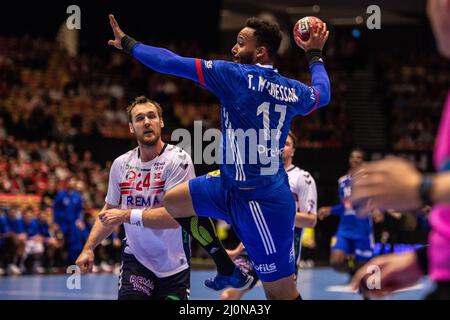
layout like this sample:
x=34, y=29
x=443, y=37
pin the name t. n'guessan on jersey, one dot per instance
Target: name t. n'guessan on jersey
x=276, y=90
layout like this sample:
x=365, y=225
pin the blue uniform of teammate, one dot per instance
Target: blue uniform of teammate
x=251, y=192
x=354, y=235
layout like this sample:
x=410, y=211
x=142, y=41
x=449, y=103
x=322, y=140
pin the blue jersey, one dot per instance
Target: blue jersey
x=258, y=105
x=67, y=207
x=32, y=228
x=44, y=229
x=15, y=225
x=350, y=225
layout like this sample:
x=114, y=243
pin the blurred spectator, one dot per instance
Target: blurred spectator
x=67, y=209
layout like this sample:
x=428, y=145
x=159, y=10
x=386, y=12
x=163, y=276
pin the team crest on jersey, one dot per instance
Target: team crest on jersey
x=208, y=64
x=157, y=176
x=130, y=176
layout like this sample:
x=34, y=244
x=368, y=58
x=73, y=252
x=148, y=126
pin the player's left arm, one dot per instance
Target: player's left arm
x=307, y=215
x=158, y=59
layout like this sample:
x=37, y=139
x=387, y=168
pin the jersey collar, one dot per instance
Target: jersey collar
x=267, y=66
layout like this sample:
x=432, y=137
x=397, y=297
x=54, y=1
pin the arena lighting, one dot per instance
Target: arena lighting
x=303, y=10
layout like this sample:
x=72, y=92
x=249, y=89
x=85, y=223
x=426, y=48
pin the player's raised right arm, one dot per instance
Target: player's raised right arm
x=320, y=80
x=158, y=59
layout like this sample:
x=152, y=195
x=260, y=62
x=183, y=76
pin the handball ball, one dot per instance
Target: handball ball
x=301, y=27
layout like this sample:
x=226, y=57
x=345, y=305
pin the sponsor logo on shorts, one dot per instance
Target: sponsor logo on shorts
x=142, y=284
x=266, y=268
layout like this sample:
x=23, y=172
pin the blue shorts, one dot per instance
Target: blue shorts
x=362, y=248
x=262, y=218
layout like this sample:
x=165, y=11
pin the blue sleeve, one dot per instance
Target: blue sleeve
x=337, y=210
x=19, y=226
x=165, y=61
x=318, y=95
x=222, y=78
x=44, y=230
x=217, y=76
x=4, y=228
x=57, y=208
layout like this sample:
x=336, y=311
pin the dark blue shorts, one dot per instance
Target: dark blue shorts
x=136, y=282
x=262, y=218
x=362, y=248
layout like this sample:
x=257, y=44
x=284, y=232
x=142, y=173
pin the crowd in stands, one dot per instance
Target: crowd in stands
x=416, y=85
x=46, y=93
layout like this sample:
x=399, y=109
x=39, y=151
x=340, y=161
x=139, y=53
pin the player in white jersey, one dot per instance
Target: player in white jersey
x=303, y=188
x=156, y=254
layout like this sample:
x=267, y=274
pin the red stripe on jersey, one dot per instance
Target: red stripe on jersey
x=125, y=184
x=158, y=190
x=317, y=101
x=158, y=184
x=125, y=191
x=198, y=65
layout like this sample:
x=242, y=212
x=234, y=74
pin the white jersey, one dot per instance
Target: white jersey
x=304, y=189
x=134, y=184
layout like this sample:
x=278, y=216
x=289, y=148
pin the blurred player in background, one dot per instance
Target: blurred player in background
x=67, y=212
x=254, y=197
x=354, y=237
x=396, y=184
x=303, y=188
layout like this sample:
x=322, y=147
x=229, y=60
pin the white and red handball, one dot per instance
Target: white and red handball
x=302, y=27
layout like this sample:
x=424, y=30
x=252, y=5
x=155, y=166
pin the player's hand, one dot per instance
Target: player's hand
x=118, y=33
x=85, y=260
x=323, y=212
x=392, y=183
x=318, y=36
x=377, y=216
x=397, y=271
x=114, y=217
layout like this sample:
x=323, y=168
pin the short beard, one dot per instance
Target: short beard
x=246, y=59
x=148, y=143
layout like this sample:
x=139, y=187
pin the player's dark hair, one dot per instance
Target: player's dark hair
x=358, y=149
x=142, y=100
x=267, y=34
x=294, y=138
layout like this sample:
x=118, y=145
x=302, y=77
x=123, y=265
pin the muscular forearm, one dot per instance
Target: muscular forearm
x=321, y=83
x=440, y=193
x=98, y=233
x=158, y=218
x=165, y=61
x=305, y=220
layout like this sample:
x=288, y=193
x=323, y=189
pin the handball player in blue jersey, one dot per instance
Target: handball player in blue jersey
x=354, y=236
x=251, y=192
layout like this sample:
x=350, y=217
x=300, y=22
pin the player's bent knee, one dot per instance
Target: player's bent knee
x=177, y=201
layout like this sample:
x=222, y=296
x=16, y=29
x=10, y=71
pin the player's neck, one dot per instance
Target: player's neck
x=287, y=164
x=148, y=153
x=264, y=61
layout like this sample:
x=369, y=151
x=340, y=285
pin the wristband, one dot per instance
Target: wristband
x=136, y=217
x=425, y=188
x=314, y=55
x=128, y=43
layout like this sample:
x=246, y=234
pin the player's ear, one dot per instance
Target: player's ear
x=131, y=127
x=161, y=121
x=261, y=51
